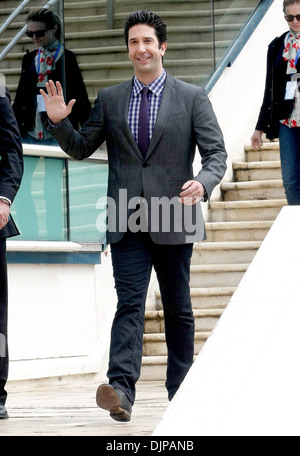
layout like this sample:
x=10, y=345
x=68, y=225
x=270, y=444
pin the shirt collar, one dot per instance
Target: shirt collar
x=156, y=86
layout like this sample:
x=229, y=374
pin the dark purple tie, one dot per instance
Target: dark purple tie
x=143, y=141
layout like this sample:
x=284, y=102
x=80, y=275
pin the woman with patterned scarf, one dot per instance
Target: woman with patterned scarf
x=49, y=61
x=280, y=112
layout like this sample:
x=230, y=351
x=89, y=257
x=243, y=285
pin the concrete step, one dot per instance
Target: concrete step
x=256, y=190
x=206, y=298
x=155, y=344
x=205, y=320
x=242, y=211
x=179, y=5
x=256, y=171
x=154, y=368
x=224, y=252
x=117, y=70
x=270, y=151
x=176, y=34
x=217, y=275
x=238, y=231
x=112, y=70
x=211, y=298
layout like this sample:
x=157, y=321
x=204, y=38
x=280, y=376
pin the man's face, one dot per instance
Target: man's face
x=145, y=53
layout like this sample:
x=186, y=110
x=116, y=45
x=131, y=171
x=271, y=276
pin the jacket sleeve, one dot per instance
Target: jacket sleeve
x=210, y=142
x=11, y=165
x=80, y=144
x=265, y=115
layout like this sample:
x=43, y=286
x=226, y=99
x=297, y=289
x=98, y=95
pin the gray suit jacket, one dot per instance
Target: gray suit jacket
x=185, y=120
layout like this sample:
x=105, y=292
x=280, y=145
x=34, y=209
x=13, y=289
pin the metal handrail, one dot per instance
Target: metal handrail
x=239, y=43
x=22, y=32
x=15, y=13
x=110, y=14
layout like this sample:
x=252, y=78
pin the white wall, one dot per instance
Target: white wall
x=59, y=319
x=245, y=381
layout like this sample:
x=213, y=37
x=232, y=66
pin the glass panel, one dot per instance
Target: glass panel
x=87, y=187
x=40, y=206
x=229, y=18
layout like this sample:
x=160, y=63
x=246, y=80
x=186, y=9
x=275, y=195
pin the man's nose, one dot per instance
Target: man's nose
x=142, y=47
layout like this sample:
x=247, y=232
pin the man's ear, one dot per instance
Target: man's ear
x=163, y=48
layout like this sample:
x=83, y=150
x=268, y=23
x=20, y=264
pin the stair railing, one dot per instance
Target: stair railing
x=239, y=42
x=22, y=32
x=110, y=14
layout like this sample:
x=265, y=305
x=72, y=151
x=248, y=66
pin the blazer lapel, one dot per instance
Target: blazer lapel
x=123, y=107
x=164, y=112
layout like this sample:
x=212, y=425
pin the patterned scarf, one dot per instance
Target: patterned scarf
x=45, y=60
x=292, y=46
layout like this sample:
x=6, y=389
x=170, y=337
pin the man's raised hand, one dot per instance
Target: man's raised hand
x=56, y=107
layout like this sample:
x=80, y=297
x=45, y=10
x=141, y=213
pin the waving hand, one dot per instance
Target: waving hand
x=56, y=107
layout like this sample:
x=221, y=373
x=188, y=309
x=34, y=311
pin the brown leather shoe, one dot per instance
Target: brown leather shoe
x=115, y=401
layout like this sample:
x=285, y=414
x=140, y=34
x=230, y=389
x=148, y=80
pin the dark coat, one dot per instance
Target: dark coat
x=11, y=163
x=25, y=101
x=275, y=107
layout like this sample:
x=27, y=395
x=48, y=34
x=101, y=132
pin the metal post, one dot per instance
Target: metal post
x=110, y=14
x=213, y=32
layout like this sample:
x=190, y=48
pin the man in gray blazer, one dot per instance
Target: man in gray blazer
x=151, y=125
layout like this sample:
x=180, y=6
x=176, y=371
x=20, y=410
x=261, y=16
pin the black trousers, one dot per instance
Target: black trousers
x=3, y=322
x=133, y=258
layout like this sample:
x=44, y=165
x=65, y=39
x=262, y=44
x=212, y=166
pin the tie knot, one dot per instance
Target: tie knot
x=145, y=91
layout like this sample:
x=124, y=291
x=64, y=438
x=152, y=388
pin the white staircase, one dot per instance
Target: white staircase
x=236, y=228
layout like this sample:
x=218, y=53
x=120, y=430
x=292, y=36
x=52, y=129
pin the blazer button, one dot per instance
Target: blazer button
x=145, y=165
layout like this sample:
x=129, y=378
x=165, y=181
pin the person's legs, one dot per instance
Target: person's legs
x=132, y=265
x=172, y=265
x=3, y=322
x=290, y=162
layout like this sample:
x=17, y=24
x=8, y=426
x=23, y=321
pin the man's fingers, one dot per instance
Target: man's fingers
x=59, y=89
x=71, y=104
x=44, y=95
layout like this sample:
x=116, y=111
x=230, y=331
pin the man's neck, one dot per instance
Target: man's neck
x=148, y=79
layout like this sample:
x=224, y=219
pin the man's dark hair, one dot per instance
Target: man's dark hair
x=148, y=18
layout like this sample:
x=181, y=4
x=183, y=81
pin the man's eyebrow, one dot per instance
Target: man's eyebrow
x=144, y=38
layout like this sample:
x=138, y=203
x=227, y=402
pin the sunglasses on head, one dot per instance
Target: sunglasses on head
x=290, y=17
x=37, y=33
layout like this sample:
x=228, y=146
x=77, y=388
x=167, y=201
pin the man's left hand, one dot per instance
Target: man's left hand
x=192, y=192
x=4, y=214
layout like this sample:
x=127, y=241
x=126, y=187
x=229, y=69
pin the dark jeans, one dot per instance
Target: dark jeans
x=290, y=162
x=3, y=322
x=133, y=258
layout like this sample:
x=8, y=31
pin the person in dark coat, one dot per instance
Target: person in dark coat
x=279, y=116
x=50, y=61
x=11, y=171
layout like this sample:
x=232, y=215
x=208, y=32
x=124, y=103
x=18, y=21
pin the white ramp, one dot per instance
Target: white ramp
x=246, y=379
